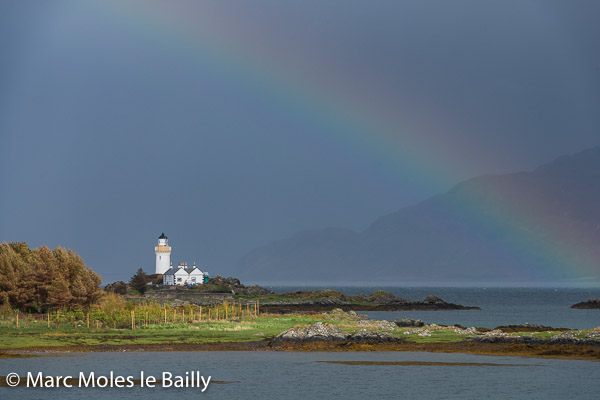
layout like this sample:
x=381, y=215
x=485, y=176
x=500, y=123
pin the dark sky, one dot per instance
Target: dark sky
x=230, y=125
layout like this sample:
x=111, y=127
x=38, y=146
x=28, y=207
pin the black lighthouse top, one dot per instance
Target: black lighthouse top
x=163, y=236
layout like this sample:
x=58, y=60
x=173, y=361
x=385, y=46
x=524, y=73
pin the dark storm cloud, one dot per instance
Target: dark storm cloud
x=111, y=134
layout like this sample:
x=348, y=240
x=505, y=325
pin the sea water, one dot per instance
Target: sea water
x=300, y=375
x=499, y=306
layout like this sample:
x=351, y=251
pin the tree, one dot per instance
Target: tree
x=139, y=281
x=59, y=294
x=39, y=279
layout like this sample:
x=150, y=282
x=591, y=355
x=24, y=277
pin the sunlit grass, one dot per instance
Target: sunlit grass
x=207, y=331
x=249, y=329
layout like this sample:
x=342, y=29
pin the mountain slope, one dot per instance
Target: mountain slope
x=542, y=225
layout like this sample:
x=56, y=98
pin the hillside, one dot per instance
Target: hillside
x=542, y=225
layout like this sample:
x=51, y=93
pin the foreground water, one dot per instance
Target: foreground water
x=296, y=375
x=499, y=306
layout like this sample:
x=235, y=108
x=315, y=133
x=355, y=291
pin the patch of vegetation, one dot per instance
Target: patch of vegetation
x=207, y=331
x=41, y=279
x=437, y=336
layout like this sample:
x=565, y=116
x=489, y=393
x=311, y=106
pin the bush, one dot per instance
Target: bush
x=139, y=281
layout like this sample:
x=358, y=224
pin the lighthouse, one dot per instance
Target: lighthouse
x=163, y=254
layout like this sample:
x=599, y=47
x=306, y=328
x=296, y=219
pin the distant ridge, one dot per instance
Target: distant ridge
x=542, y=225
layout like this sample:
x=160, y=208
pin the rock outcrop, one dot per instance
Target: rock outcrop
x=433, y=299
x=365, y=336
x=409, y=323
x=320, y=332
x=569, y=337
x=383, y=325
x=591, y=304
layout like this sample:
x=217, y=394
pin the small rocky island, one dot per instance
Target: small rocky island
x=591, y=304
x=327, y=300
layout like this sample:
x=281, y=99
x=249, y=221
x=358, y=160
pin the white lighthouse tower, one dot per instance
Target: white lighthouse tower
x=163, y=254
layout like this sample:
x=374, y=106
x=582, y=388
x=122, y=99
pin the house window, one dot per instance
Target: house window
x=193, y=279
x=178, y=279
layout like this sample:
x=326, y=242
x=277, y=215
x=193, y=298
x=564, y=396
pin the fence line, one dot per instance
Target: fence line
x=127, y=315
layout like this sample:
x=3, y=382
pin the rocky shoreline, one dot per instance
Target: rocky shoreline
x=321, y=332
x=569, y=337
x=577, y=351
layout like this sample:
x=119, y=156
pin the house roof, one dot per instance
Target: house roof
x=170, y=271
x=181, y=269
x=163, y=236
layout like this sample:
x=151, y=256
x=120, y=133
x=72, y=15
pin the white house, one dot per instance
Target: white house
x=182, y=275
x=196, y=277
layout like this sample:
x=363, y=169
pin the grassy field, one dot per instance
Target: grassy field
x=250, y=329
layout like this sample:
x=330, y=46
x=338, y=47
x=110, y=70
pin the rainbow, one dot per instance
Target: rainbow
x=236, y=52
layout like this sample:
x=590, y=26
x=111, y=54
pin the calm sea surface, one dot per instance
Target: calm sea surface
x=295, y=375
x=499, y=306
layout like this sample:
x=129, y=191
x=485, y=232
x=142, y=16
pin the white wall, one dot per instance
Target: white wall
x=163, y=262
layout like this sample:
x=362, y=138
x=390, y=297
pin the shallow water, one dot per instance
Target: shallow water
x=499, y=306
x=296, y=375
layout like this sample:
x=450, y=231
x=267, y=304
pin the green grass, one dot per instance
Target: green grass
x=38, y=335
x=439, y=336
x=251, y=329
